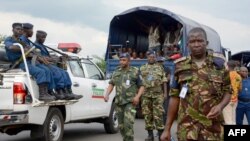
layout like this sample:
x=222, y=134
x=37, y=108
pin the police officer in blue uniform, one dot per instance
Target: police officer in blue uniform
x=24, y=38
x=63, y=87
x=42, y=76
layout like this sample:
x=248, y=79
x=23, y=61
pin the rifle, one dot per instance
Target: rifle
x=62, y=62
x=35, y=44
x=21, y=58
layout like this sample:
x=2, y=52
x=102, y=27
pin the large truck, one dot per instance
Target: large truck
x=125, y=32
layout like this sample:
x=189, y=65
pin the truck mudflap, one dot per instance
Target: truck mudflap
x=53, y=103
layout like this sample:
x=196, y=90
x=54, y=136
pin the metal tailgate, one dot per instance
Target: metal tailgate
x=6, y=96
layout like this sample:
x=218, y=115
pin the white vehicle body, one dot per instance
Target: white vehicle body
x=19, y=113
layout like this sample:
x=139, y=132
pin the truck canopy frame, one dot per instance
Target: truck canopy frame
x=123, y=27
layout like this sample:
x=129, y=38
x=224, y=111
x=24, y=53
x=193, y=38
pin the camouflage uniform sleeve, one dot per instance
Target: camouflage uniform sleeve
x=226, y=83
x=112, y=81
x=164, y=77
x=220, y=63
x=174, y=86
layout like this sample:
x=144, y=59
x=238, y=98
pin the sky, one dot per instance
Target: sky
x=87, y=21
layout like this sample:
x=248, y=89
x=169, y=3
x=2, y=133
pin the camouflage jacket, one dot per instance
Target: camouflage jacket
x=153, y=76
x=206, y=87
x=127, y=83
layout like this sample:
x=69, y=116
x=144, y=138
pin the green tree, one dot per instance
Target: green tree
x=2, y=38
x=100, y=62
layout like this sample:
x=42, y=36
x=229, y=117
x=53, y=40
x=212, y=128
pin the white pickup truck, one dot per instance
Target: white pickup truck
x=21, y=110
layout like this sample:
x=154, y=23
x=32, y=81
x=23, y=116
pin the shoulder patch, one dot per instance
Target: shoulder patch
x=219, y=62
x=180, y=59
x=134, y=68
x=117, y=68
x=219, y=55
x=142, y=66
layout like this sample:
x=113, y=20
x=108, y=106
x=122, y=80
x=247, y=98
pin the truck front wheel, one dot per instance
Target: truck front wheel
x=53, y=125
x=111, y=123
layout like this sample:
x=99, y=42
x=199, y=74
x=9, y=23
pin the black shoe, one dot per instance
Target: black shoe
x=69, y=93
x=150, y=136
x=52, y=93
x=43, y=93
x=60, y=94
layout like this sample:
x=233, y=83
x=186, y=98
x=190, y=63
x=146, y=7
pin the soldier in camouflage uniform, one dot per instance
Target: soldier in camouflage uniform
x=154, y=79
x=200, y=91
x=129, y=88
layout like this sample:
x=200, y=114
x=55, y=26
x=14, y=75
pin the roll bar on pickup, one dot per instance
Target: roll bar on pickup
x=36, y=102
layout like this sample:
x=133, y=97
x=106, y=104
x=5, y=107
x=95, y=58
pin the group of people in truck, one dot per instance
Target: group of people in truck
x=53, y=82
x=164, y=42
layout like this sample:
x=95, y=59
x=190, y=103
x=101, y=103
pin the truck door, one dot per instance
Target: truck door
x=80, y=86
x=98, y=86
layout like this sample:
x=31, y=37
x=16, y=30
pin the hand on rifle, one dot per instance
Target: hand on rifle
x=43, y=60
x=26, y=50
x=66, y=56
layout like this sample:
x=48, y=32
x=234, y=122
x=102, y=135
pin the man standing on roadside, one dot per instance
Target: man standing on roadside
x=199, y=92
x=129, y=88
x=155, y=80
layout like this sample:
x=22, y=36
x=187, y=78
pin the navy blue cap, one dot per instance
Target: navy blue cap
x=150, y=52
x=16, y=24
x=160, y=59
x=27, y=26
x=124, y=55
x=41, y=32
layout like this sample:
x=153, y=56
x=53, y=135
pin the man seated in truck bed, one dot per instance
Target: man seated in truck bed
x=63, y=88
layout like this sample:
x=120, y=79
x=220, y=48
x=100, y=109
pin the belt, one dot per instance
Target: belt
x=244, y=99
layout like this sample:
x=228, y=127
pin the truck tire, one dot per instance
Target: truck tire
x=111, y=123
x=53, y=126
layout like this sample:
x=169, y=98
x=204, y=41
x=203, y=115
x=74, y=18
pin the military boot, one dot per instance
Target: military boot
x=159, y=134
x=43, y=93
x=70, y=94
x=150, y=136
x=52, y=93
x=60, y=94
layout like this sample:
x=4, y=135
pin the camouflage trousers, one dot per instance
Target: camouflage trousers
x=126, y=119
x=152, y=109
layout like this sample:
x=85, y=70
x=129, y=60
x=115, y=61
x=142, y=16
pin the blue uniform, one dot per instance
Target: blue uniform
x=61, y=76
x=38, y=71
x=243, y=106
x=34, y=69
